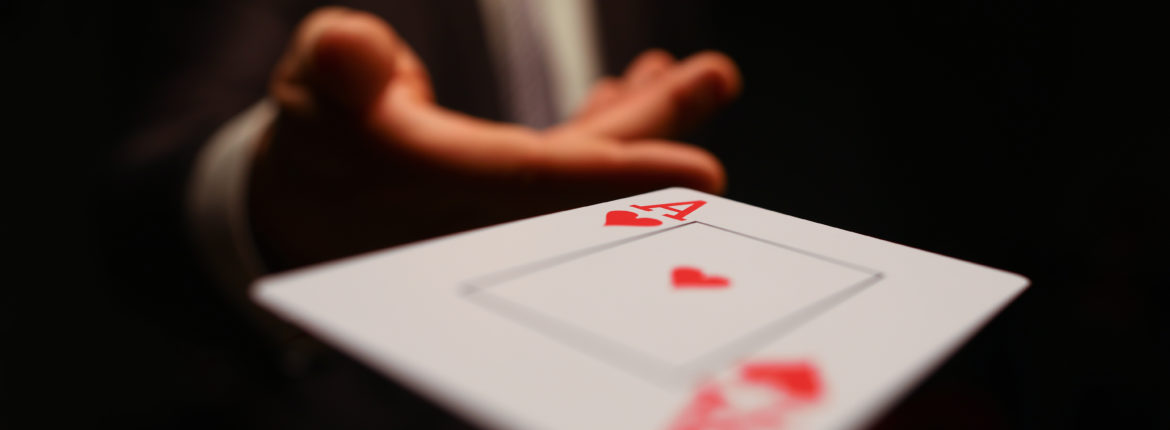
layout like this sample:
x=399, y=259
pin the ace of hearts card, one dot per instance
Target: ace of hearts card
x=672, y=310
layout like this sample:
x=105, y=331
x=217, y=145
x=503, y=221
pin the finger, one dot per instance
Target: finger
x=435, y=136
x=352, y=60
x=288, y=84
x=647, y=67
x=346, y=59
x=604, y=92
x=680, y=98
x=642, y=166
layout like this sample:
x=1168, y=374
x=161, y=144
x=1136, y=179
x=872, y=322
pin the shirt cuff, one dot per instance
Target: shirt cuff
x=220, y=226
x=217, y=198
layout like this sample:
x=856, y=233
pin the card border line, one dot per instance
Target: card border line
x=638, y=362
x=728, y=351
x=853, y=266
x=521, y=270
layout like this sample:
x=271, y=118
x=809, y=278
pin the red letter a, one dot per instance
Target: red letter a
x=680, y=215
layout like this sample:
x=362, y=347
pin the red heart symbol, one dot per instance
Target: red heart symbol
x=799, y=379
x=629, y=218
x=690, y=277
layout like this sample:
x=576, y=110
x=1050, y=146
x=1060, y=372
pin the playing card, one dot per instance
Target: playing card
x=669, y=310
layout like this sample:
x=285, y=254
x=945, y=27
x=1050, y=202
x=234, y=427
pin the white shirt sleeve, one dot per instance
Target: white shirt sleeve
x=217, y=210
x=566, y=35
x=217, y=197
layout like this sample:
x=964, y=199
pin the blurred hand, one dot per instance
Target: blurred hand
x=362, y=158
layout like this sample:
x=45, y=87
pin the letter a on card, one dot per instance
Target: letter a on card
x=680, y=215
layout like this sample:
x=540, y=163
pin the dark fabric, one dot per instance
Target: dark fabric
x=1026, y=135
x=143, y=337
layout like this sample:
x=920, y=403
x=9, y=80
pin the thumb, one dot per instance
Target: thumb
x=340, y=58
x=352, y=60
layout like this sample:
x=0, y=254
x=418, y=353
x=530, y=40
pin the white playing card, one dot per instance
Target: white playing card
x=668, y=310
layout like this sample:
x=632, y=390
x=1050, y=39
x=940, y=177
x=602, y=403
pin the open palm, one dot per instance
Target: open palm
x=361, y=157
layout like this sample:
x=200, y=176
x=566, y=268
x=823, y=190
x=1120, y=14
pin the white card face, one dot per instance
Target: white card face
x=621, y=301
x=670, y=310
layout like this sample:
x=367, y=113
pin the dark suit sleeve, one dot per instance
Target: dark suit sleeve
x=174, y=345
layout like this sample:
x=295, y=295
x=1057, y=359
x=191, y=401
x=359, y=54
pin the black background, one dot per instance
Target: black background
x=1029, y=136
